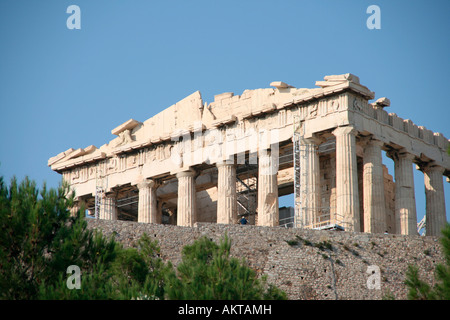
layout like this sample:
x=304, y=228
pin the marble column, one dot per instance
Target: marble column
x=347, y=196
x=147, y=208
x=405, y=199
x=268, y=213
x=435, y=200
x=252, y=207
x=226, y=194
x=187, y=207
x=108, y=209
x=309, y=181
x=373, y=186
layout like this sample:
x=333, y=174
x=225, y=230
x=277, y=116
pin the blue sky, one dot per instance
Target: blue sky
x=62, y=88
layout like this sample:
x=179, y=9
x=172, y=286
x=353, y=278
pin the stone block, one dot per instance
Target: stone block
x=280, y=85
x=128, y=125
x=222, y=96
x=441, y=141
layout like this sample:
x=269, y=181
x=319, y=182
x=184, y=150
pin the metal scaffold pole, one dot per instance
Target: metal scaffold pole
x=99, y=190
x=307, y=214
x=298, y=214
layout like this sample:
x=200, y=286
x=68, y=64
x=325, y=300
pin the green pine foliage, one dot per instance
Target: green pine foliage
x=40, y=239
x=419, y=289
x=135, y=273
x=140, y=271
x=207, y=272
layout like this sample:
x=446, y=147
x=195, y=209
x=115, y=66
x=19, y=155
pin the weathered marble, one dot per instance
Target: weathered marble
x=226, y=194
x=187, y=206
x=193, y=135
x=374, y=200
x=148, y=210
x=347, y=195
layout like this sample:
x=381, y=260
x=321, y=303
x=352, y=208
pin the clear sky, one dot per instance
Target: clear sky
x=62, y=88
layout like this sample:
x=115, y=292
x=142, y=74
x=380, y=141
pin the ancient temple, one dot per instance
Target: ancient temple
x=234, y=157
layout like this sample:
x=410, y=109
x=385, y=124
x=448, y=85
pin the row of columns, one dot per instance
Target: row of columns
x=347, y=196
x=227, y=196
x=347, y=193
x=226, y=202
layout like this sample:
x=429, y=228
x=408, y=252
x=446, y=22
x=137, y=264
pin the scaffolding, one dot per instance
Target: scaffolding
x=302, y=215
x=100, y=187
x=298, y=214
x=305, y=216
x=246, y=197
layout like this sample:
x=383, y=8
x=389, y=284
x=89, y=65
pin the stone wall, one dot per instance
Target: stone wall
x=306, y=264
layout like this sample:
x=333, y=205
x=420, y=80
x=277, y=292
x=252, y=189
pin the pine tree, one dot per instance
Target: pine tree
x=207, y=272
x=40, y=240
x=140, y=272
x=420, y=290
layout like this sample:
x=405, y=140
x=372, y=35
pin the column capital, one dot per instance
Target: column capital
x=221, y=164
x=109, y=195
x=363, y=141
x=406, y=155
x=187, y=173
x=147, y=183
x=375, y=142
x=339, y=131
x=268, y=162
x=431, y=167
x=400, y=154
x=314, y=140
x=264, y=152
x=369, y=141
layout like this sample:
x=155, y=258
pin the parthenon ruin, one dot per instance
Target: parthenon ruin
x=234, y=157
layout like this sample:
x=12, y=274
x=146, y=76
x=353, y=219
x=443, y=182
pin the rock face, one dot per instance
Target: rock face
x=306, y=264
